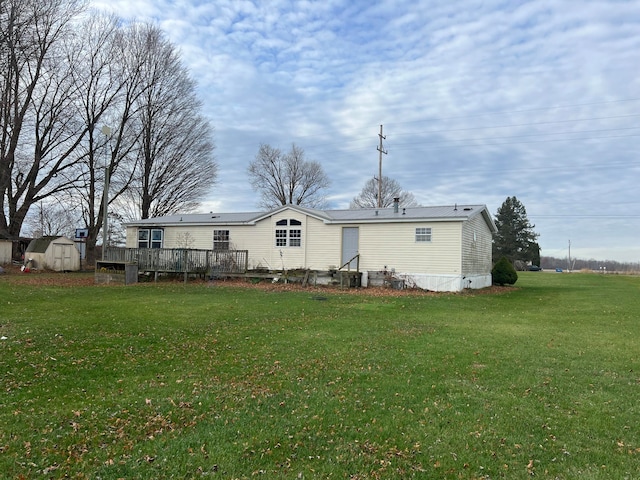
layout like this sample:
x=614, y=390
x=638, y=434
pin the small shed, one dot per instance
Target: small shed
x=53, y=253
x=6, y=246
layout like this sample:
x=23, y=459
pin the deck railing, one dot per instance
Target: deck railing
x=181, y=260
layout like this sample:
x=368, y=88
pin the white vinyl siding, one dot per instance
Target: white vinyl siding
x=196, y=237
x=385, y=244
x=477, y=244
x=393, y=245
x=323, y=244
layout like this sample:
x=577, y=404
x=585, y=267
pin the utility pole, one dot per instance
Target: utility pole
x=381, y=150
x=569, y=266
x=105, y=194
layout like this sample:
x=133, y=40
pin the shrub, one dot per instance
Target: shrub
x=503, y=272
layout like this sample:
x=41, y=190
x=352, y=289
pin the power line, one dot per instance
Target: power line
x=445, y=131
x=576, y=132
x=524, y=142
x=505, y=112
x=583, y=216
x=511, y=125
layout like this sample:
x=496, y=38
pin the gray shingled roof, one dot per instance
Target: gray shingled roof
x=368, y=215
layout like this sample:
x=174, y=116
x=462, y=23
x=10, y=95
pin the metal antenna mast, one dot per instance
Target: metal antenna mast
x=381, y=150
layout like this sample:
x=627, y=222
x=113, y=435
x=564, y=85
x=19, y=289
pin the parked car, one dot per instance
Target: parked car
x=534, y=268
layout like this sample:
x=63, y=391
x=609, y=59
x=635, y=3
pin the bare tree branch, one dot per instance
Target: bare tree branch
x=283, y=179
x=31, y=91
x=368, y=197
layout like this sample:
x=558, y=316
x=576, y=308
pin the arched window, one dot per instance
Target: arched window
x=286, y=236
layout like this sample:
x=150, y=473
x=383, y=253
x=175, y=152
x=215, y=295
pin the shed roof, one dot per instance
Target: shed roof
x=40, y=245
x=361, y=215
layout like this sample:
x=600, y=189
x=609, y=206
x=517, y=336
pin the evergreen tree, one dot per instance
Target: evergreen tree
x=515, y=238
x=535, y=254
x=503, y=272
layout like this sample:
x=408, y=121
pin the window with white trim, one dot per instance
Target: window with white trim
x=295, y=238
x=423, y=234
x=150, y=237
x=220, y=240
x=281, y=238
x=288, y=237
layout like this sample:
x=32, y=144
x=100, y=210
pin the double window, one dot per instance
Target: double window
x=423, y=234
x=220, y=240
x=150, y=238
x=288, y=233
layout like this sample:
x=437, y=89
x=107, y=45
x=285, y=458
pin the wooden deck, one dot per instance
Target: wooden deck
x=182, y=260
x=219, y=264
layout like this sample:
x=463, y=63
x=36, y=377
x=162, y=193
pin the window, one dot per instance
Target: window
x=295, y=238
x=143, y=238
x=423, y=234
x=281, y=238
x=150, y=238
x=156, y=238
x=288, y=237
x=220, y=240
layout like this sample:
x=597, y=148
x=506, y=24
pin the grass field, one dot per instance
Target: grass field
x=167, y=380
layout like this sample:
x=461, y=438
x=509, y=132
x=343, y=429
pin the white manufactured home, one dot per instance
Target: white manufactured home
x=445, y=248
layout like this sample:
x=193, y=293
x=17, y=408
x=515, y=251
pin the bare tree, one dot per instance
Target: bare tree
x=63, y=77
x=36, y=133
x=287, y=178
x=175, y=159
x=107, y=78
x=50, y=218
x=368, y=197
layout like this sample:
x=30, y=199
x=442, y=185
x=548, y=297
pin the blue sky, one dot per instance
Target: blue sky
x=480, y=100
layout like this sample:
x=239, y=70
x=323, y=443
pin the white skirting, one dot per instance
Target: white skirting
x=444, y=283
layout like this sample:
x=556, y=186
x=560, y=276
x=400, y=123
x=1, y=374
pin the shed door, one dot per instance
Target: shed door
x=350, y=237
x=61, y=257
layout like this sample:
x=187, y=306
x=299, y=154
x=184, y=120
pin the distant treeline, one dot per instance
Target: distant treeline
x=551, y=263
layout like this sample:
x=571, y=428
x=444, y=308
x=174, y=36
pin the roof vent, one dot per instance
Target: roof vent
x=467, y=209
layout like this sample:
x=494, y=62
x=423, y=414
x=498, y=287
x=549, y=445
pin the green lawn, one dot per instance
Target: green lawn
x=185, y=381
